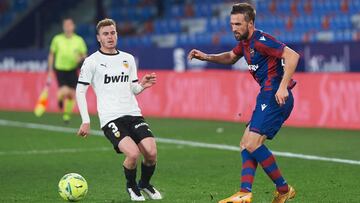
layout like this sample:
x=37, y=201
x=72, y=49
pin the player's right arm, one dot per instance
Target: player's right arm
x=50, y=61
x=228, y=57
x=51, y=56
x=85, y=78
x=81, y=90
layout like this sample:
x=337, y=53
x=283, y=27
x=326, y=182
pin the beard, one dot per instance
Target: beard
x=240, y=37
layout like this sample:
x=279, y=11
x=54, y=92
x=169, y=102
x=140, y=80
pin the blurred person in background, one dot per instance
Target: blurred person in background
x=67, y=51
x=264, y=55
x=113, y=76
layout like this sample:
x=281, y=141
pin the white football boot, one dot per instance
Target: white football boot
x=135, y=194
x=152, y=192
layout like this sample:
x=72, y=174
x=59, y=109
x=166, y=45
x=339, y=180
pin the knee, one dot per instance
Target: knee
x=132, y=157
x=249, y=146
x=242, y=145
x=72, y=94
x=151, y=157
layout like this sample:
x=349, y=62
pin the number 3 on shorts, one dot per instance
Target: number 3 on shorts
x=115, y=129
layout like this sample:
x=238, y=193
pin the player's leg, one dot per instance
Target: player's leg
x=266, y=120
x=61, y=81
x=147, y=146
x=280, y=195
x=60, y=97
x=69, y=94
x=132, y=154
x=69, y=103
x=255, y=145
x=249, y=165
x=117, y=132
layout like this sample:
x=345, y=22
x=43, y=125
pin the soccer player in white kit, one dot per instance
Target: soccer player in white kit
x=113, y=76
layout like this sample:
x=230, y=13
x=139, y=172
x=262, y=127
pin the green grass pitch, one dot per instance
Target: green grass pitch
x=33, y=160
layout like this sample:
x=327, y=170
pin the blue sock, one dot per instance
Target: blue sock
x=266, y=159
x=249, y=165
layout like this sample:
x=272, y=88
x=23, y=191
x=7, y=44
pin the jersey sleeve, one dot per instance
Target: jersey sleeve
x=238, y=50
x=54, y=44
x=87, y=72
x=269, y=46
x=133, y=70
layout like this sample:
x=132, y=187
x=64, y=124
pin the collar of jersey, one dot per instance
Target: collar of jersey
x=117, y=52
x=247, y=41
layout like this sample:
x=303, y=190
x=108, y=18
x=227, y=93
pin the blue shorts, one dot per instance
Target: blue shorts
x=268, y=115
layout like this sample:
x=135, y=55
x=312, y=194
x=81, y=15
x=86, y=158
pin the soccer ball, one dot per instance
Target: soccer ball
x=73, y=187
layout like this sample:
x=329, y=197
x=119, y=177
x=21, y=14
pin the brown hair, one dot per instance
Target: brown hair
x=244, y=8
x=67, y=18
x=105, y=22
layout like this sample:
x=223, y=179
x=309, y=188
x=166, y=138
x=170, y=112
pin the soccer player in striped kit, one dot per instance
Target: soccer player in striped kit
x=264, y=55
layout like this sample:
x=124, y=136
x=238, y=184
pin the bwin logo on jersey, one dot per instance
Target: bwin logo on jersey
x=116, y=78
x=253, y=67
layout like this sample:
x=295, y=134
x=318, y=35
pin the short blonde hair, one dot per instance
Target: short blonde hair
x=103, y=23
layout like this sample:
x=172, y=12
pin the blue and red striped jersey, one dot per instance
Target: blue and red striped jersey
x=263, y=55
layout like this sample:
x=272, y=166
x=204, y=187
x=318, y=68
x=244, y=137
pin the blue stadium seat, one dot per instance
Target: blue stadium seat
x=227, y=39
x=203, y=10
x=273, y=22
x=20, y=5
x=173, y=26
x=182, y=39
x=160, y=27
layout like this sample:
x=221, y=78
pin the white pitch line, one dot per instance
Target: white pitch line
x=160, y=140
x=54, y=151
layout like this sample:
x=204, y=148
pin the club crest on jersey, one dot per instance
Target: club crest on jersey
x=126, y=64
x=252, y=52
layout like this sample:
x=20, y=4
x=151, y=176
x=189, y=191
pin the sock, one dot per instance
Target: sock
x=266, y=159
x=146, y=174
x=249, y=165
x=60, y=100
x=130, y=175
x=68, y=108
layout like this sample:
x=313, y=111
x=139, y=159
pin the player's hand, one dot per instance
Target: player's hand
x=84, y=130
x=50, y=72
x=49, y=77
x=197, y=54
x=148, y=80
x=281, y=95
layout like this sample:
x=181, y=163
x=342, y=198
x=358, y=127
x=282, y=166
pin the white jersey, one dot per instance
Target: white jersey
x=111, y=76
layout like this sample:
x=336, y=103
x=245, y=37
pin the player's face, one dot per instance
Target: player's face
x=107, y=37
x=239, y=26
x=68, y=26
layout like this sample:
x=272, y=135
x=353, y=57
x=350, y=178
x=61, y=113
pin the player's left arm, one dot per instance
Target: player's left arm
x=147, y=80
x=291, y=59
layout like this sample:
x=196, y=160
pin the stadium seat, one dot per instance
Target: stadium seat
x=297, y=18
